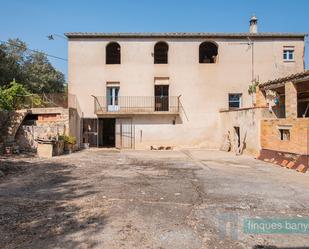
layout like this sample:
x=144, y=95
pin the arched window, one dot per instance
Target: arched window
x=208, y=52
x=113, y=53
x=161, y=53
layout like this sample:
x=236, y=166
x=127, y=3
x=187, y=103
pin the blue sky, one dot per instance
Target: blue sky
x=33, y=20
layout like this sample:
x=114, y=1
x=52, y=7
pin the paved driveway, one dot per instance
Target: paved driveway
x=147, y=199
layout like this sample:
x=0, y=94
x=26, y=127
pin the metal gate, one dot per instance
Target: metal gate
x=125, y=133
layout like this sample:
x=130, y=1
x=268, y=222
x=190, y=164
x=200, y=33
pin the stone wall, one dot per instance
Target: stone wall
x=4, y=115
x=298, y=142
x=248, y=121
x=75, y=124
x=50, y=123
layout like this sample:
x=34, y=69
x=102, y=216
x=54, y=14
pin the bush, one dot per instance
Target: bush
x=16, y=96
x=252, y=87
x=68, y=139
x=9, y=95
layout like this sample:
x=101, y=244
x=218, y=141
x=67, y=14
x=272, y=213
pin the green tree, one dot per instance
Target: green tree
x=17, y=50
x=9, y=68
x=41, y=76
x=32, y=69
x=9, y=95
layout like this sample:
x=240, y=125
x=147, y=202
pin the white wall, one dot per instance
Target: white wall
x=204, y=87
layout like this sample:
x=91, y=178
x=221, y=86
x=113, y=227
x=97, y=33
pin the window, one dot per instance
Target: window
x=161, y=53
x=113, y=53
x=161, y=98
x=112, y=94
x=234, y=100
x=284, y=134
x=208, y=52
x=288, y=54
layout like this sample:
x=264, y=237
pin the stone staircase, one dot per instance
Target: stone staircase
x=10, y=128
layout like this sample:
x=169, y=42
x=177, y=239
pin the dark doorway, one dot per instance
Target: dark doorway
x=161, y=98
x=237, y=135
x=107, y=136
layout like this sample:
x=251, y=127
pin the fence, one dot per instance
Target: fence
x=136, y=104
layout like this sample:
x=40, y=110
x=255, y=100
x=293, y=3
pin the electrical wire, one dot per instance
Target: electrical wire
x=32, y=50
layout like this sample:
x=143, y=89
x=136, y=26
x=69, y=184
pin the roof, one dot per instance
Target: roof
x=281, y=81
x=182, y=35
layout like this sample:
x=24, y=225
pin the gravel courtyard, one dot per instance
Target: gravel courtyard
x=147, y=199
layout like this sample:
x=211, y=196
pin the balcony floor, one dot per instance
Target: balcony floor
x=128, y=113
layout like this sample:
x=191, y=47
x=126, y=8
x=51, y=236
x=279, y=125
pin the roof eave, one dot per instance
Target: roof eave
x=184, y=35
x=295, y=78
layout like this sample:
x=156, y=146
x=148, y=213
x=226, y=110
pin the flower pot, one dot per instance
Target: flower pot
x=86, y=145
x=68, y=148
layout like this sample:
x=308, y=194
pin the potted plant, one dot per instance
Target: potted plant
x=69, y=142
x=252, y=90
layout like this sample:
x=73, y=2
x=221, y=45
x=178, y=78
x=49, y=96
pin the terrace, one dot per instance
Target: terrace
x=136, y=105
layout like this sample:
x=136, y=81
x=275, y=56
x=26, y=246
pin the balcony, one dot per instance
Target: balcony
x=124, y=105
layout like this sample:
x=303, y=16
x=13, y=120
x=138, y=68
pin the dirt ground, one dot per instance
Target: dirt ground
x=147, y=199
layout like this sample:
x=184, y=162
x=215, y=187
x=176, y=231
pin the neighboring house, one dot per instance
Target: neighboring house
x=138, y=90
x=285, y=137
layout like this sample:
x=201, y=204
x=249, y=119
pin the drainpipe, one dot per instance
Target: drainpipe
x=251, y=43
x=178, y=102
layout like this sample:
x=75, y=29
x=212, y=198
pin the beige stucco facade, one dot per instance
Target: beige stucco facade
x=204, y=88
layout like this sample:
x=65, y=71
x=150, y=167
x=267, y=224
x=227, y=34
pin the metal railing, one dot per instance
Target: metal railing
x=42, y=100
x=136, y=104
x=47, y=100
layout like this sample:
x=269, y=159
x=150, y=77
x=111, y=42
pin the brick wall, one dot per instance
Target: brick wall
x=260, y=99
x=290, y=100
x=49, y=117
x=298, y=143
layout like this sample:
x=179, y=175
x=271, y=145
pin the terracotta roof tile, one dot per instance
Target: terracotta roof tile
x=182, y=35
x=291, y=77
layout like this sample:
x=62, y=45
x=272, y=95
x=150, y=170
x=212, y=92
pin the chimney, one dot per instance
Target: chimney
x=253, y=24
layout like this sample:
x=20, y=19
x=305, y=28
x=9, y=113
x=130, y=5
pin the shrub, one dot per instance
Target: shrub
x=252, y=87
x=16, y=96
x=68, y=139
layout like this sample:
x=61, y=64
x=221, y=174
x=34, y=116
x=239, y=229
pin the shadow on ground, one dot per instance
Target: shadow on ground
x=38, y=207
x=274, y=247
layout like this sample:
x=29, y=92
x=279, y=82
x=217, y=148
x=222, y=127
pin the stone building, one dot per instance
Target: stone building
x=54, y=115
x=285, y=137
x=138, y=90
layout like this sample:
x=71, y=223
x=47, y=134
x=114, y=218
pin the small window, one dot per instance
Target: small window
x=234, y=100
x=113, y=53
x=288, y=54
x=284, y=134
x=208, y=52
x=161, y=53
